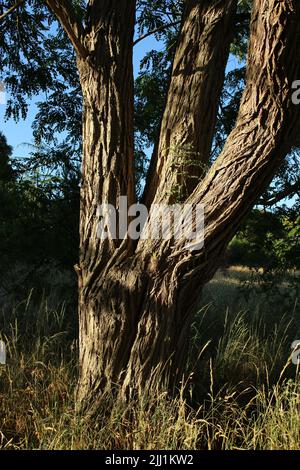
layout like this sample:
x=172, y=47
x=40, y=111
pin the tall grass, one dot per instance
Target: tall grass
x=244, y=393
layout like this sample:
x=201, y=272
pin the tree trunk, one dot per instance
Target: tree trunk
x=106, y=76
x=137, y=300
x=114, y=299
x=187, y=129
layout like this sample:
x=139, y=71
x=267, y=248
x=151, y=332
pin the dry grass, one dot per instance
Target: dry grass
x=245, y=392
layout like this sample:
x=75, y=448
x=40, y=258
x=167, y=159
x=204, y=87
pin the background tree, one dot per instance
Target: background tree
x=6, y=171
x=39, y=211
x=40, y=208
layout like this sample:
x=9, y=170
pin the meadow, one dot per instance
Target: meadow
x=244, y=392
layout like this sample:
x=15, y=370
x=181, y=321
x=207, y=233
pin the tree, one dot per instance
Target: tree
x=268, y=240
x=6, y=171
x=39, y=209
x=137, y=298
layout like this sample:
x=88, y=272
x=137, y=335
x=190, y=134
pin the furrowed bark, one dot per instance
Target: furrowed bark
x=189, y=119
x=267, y=127
x=107, y=173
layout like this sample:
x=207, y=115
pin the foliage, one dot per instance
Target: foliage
x=268, y=243
x=6, y=171
x=37, y=60
x=39, y=210
x=268, y=240
x=36, y=57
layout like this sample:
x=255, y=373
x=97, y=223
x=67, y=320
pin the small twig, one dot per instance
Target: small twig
x=11, y=10
x=156, y=30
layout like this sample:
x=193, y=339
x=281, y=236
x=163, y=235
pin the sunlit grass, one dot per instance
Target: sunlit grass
x=244, y=393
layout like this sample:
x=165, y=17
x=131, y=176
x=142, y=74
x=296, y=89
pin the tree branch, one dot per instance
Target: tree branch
x=156, y=30
x=66, y=15
x=198, y=72
x=291, y=189
x=11, y=9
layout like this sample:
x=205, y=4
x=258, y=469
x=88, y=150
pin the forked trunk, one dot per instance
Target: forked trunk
x=137, y=299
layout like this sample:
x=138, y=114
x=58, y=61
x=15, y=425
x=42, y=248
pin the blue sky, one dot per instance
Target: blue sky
x=19, y=134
